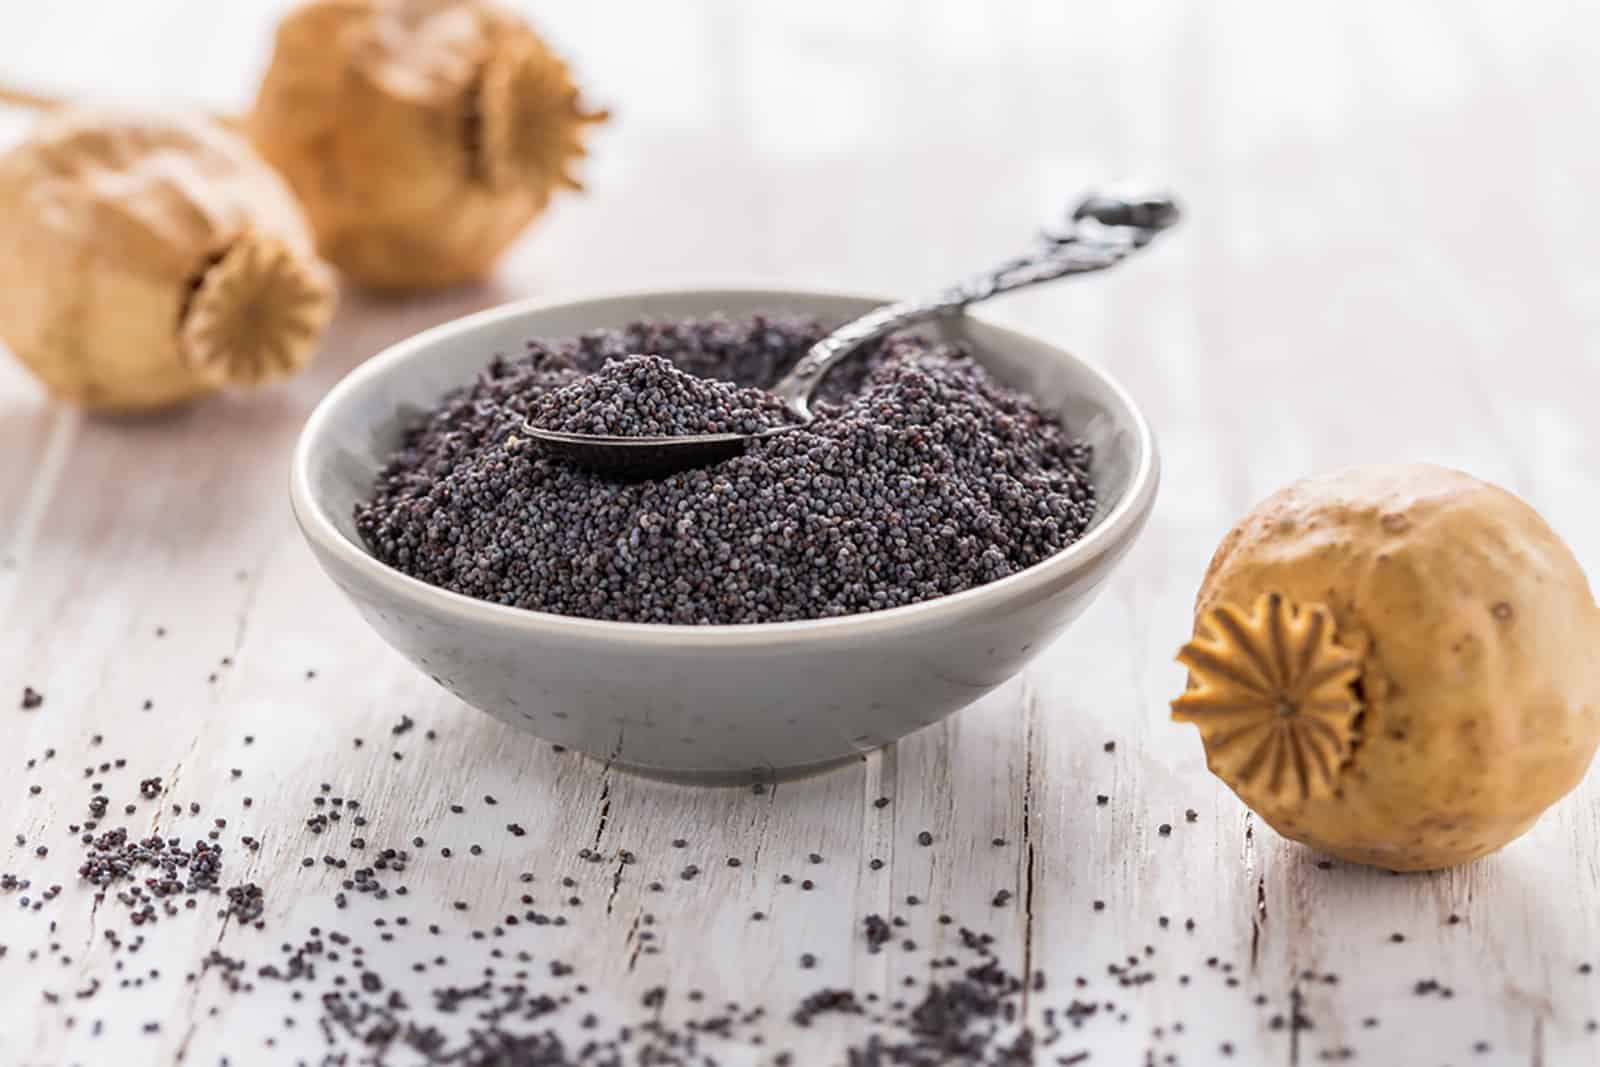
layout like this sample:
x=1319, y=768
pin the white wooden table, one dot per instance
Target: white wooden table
x=1391, y=254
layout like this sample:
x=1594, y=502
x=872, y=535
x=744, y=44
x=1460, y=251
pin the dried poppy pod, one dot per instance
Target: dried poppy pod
x=146, y=259
x=1395, y=665
x=422, y=136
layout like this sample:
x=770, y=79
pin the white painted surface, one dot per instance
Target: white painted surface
x=1390, y=255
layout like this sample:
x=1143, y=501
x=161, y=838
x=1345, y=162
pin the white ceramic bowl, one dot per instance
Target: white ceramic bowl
x=721, y=704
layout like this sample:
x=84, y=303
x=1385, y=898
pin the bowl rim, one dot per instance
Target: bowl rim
x=1123, y=522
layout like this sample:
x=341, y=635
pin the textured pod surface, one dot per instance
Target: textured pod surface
x=422, y=135
x=1477, y=700
x=147, y=259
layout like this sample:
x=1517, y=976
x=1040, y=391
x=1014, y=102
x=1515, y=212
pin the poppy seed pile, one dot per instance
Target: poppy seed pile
x=398, y=975
x=921, y=476
x=648, y=396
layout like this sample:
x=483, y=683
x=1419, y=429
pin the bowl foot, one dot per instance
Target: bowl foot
x=765, y=775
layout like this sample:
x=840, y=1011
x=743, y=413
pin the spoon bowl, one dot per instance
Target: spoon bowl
x=635, y=458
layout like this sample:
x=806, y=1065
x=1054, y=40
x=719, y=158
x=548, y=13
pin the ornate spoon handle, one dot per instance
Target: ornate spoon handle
x=1102, y=232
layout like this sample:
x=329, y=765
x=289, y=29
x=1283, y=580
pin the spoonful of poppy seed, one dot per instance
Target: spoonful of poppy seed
x=641, y=417
x=649, y=397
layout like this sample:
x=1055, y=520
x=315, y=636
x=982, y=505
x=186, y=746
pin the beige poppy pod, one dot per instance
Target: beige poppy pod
x=1395, y=665
x=422, y=136
x=147, y=259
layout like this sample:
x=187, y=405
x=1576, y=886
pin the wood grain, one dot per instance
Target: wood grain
x=1389, y=255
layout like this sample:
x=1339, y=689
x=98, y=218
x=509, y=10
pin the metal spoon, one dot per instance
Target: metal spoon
x=1102, y=231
